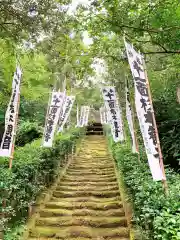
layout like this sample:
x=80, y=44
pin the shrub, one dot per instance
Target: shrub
x=34, y=168
x=27, y=132
x=157, y=214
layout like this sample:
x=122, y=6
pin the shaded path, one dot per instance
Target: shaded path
x=86, y=203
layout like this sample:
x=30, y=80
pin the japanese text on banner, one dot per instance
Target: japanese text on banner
x=144, y=111
x=11, y=116
x=114, y=114
x=66, y=111
x=52, y=118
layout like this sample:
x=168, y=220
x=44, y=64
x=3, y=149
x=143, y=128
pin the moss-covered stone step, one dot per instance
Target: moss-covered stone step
x=100, y=167
x=88, y=171
x=90, y=179
x=79, y=231
x=66, y=194
x=46, y=212
x=87, y=199
x=89, y=205
x=92, y=176
x=87, y=168
x=77, y=238
x=96, y=222
x=89, y=183
x=86, y=187
x=91, y=163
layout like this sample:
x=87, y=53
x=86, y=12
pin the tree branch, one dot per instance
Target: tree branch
x=162, y=52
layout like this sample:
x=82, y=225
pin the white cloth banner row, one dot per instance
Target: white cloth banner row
x=58, y=110
x=144, y=111
x=113, y=113
x=11, y=116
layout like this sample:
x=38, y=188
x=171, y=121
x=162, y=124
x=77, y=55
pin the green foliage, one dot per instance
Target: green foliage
x=155, y=213
x=27, y=132
x=34, y=168
x=21, y=19
x=152, y=26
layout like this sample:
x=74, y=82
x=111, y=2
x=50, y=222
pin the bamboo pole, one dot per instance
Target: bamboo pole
x=164, y=182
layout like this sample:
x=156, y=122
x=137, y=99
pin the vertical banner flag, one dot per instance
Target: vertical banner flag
x=144, y=112
x=52, y=118
x=11, y=116
x=77, y=116
x=130, y=121
x=101, y=111
x=114, y=115
x=66, y=111
x=119, y=117
x=86, y=116
x=103, y=116
x=81, y=120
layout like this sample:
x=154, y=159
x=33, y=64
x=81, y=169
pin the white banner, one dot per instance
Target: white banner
x=66, y=111
x=86, y=118
x=11, y=116
x=54, y=109
x=103, y=116
x=77, y=116
x=114, y=114
x=120, y=121
x=130, y=121
x=144, y=112
x=83, y=121
x=101, y=112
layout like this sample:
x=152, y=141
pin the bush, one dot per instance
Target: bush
x=27, y=132
x=34, y=168
x=157, y=214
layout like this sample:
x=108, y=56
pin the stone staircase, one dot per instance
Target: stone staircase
x=95, y=129
x=86, y=203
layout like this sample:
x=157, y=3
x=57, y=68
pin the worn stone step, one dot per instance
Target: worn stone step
x=69, y=194
x=96, y=222
x=86, y=187
x=89, y=205
x=46, y=212
x=88, y=179
x=92, y=175
x=88, y=171
x=87, y=199
x=85, y=168
x=79, y=231
x=74, y=238
x=91, y=159
x=87, y=183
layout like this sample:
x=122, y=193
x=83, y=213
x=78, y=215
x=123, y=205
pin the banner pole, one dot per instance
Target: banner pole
x=164, y=182
x=14, y=135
